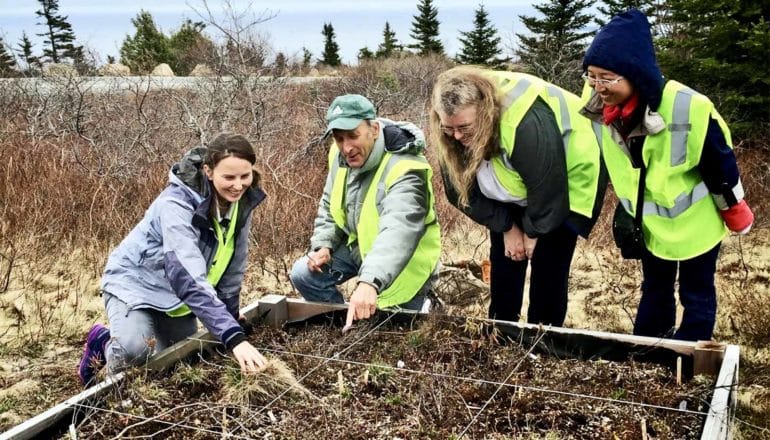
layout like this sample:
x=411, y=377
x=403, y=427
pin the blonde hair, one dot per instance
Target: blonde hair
x=456, y=89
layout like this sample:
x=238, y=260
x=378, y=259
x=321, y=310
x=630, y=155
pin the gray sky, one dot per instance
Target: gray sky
x=102, y=25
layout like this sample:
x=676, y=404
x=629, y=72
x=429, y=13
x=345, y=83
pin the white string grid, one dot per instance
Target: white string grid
x=336, y=358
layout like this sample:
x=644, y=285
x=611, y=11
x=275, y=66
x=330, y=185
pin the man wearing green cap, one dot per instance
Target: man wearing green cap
x=376, y=219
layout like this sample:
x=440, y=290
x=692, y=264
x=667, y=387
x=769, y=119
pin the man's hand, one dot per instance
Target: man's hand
x=529, y=245
x=363, y=304
x=514, y=244
x=317, y=259
x=249, y=358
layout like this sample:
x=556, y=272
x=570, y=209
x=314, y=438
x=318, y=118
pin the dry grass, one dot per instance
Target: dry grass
x=271, y=381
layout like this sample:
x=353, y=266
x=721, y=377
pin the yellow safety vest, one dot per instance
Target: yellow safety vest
x=425, y=256
x=679, y=218
x=222, y=257
x=517, y=92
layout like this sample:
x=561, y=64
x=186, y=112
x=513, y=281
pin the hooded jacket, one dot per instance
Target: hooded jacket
x=404, y=208
x=624, y=46
x=164, y=260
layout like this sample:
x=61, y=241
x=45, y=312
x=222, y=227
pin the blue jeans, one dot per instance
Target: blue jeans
x=322, y=286
x=657, y=308
x=137, y=334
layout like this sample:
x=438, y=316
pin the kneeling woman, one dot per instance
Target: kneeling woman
x=517, y=158
x=185, y=259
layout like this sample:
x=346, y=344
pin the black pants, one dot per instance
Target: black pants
x=547, y=284
x=657, y=309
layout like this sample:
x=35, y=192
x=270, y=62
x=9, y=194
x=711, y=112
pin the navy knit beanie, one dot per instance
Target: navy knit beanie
x=624, y=46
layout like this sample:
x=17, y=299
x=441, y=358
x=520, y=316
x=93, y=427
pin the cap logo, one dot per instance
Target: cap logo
x=337, y=110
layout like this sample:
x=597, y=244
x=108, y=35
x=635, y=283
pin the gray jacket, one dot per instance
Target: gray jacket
x=164, y=260
x=402, y=209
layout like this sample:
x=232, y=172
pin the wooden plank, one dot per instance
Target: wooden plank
x=300, y=310
x=273, y=309
x=682, y=347
x=34, y=426
x=721, y=416
x=708, y=357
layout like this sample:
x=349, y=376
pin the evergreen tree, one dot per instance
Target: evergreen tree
x=147, y=48
x=611, y=8
x=58, y=37
x=481, y=45
x=307, y=58
x=331, y=53
x=365, y=54
x=24, y=49
x=189, y=47
x=425, y=29
x=720, y=48
x=389, y=44
x=280, y=65
x=554, y=49
x=7, y=62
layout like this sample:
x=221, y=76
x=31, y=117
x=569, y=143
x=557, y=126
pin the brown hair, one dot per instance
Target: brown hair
x=226, y=144
x=456, y=89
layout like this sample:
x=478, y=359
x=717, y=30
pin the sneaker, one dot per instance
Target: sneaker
x=94, y=356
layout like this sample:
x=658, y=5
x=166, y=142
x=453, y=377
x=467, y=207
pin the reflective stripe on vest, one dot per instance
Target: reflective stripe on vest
x=679, y=220
x=581, y=144
x=222, y=257
x=426, y=255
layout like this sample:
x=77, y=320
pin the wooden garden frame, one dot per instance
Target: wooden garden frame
x=710, y=358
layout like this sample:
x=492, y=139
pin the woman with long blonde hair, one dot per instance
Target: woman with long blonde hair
x=517, y=158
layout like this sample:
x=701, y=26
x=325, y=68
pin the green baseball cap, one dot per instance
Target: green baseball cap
x=347, y=112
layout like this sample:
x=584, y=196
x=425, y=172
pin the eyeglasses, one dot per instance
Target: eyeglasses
x=464, y=130
x=602, y=82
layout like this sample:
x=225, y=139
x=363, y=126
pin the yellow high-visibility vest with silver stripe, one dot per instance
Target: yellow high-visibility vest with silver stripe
x=425, y=257
x=679, y=218
x=222, y=257
x=517, y=92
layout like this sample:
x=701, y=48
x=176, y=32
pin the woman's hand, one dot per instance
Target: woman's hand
x=514, y=244
x=529, y=245
x=249, y=358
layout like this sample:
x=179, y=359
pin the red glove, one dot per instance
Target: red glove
x=738, y=217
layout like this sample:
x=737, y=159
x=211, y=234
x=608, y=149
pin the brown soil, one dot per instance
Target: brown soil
x=437, y=380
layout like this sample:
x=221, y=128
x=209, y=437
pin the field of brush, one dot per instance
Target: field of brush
x=78, y=168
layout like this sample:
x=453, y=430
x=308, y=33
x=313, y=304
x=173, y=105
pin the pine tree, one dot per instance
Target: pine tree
x=147, y=48
x=425, y=29
x=189, y=47
x=307, y=58
x=389, y=45
x=58, y=37
x=481, y=45
x=7, y=62
x=365, y=54
x=280, y=65
x=555, y=47
x=24, y=49
x=612, y=8
x=331, y=53
x=720, y=48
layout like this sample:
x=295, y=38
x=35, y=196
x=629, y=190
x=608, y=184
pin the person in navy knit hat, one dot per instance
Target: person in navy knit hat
x=665, y=143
